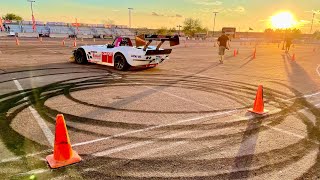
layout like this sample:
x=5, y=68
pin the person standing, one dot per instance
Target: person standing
x=223, y=43
x=288, y=42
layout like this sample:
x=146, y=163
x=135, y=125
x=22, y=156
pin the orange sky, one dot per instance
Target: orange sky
x=168, y=13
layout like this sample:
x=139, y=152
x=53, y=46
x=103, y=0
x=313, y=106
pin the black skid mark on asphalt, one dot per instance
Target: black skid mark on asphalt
x=38, y=96
x=51, y=74
x=136, y=168
x=312, y=129
x=32, y=69
x=12, y=140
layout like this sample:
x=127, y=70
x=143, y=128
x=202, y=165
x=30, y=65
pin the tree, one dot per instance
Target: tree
x=294, y=33
x=11, y=16
x=316, y=34
x=162, y=31
x=192, y=26
x=172, y=31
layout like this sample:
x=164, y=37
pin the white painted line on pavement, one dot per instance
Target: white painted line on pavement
x=26, y=156
x=34, y=172
x=159, y=149
x=179, y=97
x=290, y=133
x=156, y=127
x=122, y=148
x=45, y=129
x=137, y=144
x=308, y=95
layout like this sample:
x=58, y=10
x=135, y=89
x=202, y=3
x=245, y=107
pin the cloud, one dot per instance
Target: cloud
x=240, y=9
x=165, y=15
x=156, y=14
x=208, y=2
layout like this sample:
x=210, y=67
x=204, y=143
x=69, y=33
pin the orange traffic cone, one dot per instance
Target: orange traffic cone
x=63, y=154
x=293, y=57
x=75, y=42
x=235, y=53
x=17, y=42
x=254, y=53
x=258, y=107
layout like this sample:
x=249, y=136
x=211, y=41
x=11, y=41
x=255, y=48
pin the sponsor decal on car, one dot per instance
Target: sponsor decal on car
x=96, y=55
x=107, y=57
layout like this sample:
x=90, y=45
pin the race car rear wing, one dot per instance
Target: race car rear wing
x=145, y=40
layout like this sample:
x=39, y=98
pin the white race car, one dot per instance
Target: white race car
x=122, y=54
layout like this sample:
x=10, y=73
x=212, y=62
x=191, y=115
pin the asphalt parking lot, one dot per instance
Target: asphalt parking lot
x=185, y=119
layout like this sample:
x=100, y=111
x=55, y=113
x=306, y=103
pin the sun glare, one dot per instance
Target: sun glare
x=283, y=20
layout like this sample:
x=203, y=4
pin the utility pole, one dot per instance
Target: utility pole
x=312, y=22
x=130, y=9
x=214, y=22
x=179, y=29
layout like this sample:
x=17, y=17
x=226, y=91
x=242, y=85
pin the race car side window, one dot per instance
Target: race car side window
x=126, y=42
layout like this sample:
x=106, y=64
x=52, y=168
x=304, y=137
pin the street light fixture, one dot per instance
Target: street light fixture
x=32, y=1
x=312, y=22
x=130, y=9
x=214, y=22
x=179, y=29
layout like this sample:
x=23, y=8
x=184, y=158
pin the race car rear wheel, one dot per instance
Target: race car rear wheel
x=120, y=62
x=80, y=56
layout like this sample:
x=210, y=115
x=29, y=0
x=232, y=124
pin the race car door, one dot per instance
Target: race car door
x=107, y=57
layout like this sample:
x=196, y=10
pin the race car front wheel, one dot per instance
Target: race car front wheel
x=120, y=62
x=80, y=56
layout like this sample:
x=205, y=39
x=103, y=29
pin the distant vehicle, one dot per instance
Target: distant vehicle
x=121, y=54
x=230, y=31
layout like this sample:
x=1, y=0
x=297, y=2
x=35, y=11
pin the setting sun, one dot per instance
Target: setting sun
x=283, y=20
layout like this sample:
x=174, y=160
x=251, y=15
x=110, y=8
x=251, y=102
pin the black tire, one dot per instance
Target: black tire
x=120, y=62
x=80, y=56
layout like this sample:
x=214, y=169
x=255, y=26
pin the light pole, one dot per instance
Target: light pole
x=179, y=29
x=214, y=22
x=130, y=9
x=31, y=1
x=312, y=22
x=33, y=26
